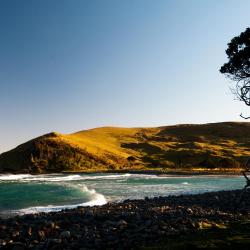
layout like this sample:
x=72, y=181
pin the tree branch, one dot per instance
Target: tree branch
x=244, y=117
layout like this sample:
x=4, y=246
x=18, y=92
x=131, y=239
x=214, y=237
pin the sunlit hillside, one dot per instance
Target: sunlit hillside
x=217, y=146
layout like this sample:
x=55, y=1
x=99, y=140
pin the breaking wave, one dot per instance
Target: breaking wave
x=58, y=177
x=94, y=199
x=25, y=193
x=13, y=177
x=79, y=177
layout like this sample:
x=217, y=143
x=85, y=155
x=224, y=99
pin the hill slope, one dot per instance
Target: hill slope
x=208, y=146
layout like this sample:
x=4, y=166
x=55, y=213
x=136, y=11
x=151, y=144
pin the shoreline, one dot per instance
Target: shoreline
x=159, y=172
x=57, y=207
x=128, y=224
x=184, y=172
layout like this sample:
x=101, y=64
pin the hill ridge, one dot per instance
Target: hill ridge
x=185, y=146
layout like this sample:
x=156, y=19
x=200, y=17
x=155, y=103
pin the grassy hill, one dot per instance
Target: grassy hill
x=201, y=147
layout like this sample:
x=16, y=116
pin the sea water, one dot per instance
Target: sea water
x=24, y=193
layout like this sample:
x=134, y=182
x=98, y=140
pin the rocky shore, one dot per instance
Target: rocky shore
x=131, y=224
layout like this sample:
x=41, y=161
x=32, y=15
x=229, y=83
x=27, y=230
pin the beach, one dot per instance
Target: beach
x=130, y=224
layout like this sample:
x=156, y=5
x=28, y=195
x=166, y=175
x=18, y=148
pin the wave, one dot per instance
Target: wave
x=59, y=177
x=177, y=176
x=13, y=177
x=74, y=177
x=78, y=177
x=53, y=178
x=96, y=199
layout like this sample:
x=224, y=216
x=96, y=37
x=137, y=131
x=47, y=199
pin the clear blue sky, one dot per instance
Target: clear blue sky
x=72, y=65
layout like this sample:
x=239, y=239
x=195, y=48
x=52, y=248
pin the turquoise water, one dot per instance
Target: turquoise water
x=21, y=194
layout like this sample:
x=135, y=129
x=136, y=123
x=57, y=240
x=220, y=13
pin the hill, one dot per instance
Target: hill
x=208, y=146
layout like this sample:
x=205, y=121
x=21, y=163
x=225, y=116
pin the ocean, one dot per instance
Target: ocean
x=24, y=193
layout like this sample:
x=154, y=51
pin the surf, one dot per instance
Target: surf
x=22, y=194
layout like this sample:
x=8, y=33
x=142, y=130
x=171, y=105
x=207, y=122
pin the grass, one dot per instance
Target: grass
x=234, y=236
x=214, y=146
x=104, y=140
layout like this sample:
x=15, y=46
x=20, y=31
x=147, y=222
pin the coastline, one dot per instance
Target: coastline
x=128, y=224
x=179, y=172
x=152, y=171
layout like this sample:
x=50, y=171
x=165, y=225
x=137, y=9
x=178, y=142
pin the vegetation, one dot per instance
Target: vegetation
x=234, y=236
x=238, y=66
x=218, y=146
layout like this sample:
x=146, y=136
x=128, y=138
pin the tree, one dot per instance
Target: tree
x=238, y=66
x=238, y=69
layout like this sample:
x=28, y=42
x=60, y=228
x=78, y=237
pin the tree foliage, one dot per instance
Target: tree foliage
x=238, y=66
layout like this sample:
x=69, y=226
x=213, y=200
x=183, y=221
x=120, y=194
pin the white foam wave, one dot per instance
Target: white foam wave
x=75, y=177
x=97, y=199
x=53, y=178
x=115, y=176
x=59, y=177
x=12, y=177
x=161, y=176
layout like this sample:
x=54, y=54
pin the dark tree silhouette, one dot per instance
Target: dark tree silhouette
x=238, y=69
x=238, y=66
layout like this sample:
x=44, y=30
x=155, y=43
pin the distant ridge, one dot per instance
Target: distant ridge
x=222, y=146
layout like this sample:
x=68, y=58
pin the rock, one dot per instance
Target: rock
x=190, y=211
x=15, y=234
x=3, y=227
x=121, y=224
x=55, y=241
x=217, y=197
x=41, y=235
x=65, y=235
x=53, y=244
x=109, y=223
x=89, y=213
x=148, y=223
x=2, y=242
x=220, y=225
x=18, y=246
x=29, y=231
x=204, y=225
x=50, y=225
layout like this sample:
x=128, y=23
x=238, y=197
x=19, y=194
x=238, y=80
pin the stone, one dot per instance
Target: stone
x=65, y=235
x=205, y=225
x=50, y=225
x=55, y=241
x=41, y=235
x=121, y=224
x=2, y=242
x=15, y=234
x=18, y=246
x=190, y=211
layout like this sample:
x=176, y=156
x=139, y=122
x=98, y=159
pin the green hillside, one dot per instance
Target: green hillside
x=215, y=146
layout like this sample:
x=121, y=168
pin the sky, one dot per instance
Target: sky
x=67, y=66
